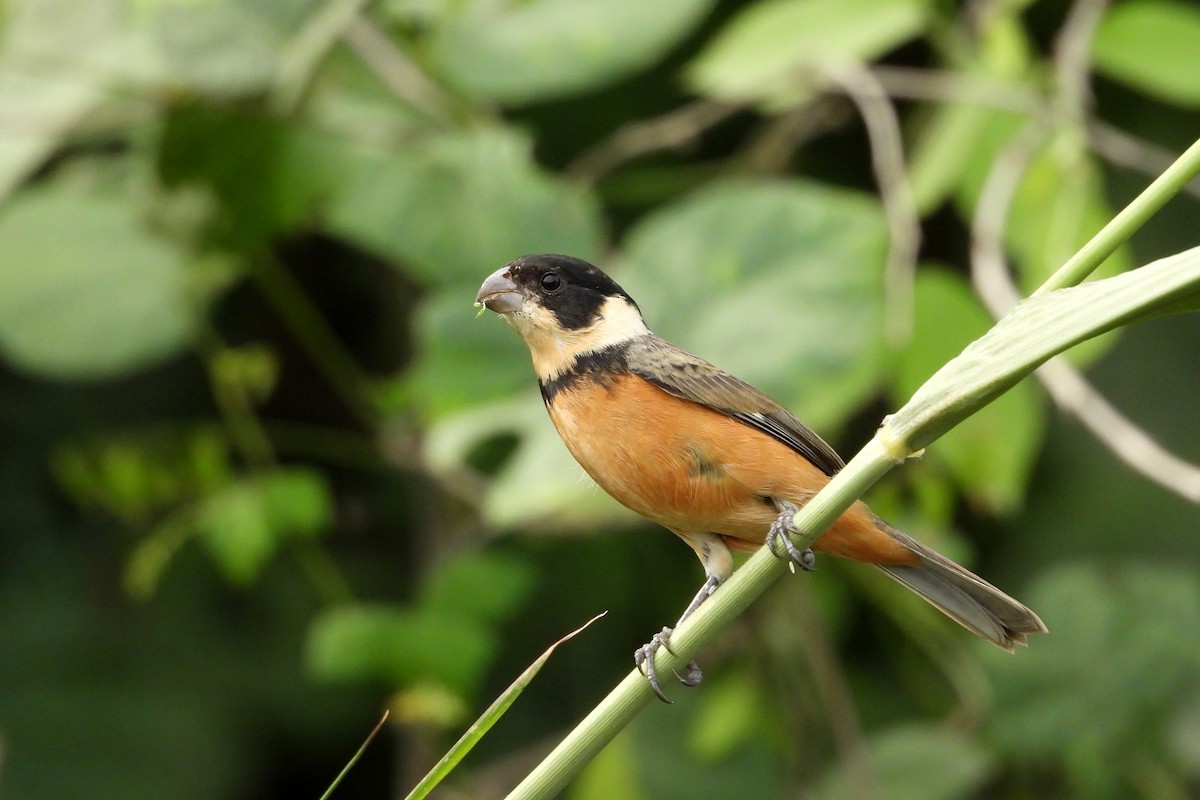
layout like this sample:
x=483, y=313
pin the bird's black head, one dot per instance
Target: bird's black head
x=570, y=288
x=563, y=307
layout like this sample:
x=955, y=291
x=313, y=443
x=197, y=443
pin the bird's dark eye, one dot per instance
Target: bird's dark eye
x=551, y=282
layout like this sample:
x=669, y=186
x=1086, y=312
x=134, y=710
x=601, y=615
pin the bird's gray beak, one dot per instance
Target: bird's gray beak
x=499, y=293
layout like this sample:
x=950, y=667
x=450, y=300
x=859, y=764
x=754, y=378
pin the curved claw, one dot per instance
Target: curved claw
x=643, y=657
x=780, y=533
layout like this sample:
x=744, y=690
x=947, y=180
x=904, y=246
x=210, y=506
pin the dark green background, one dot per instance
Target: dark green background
x=262, y=474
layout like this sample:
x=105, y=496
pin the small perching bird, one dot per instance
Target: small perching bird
x=702, y=453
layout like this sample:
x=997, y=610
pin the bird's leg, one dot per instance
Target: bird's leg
x=643, y=657
x=780, y=534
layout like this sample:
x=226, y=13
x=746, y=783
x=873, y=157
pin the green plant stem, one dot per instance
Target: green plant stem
x=357, y=755
x=1122, y=226
x=1032, y=332
x=620, y=706
x=488, y=718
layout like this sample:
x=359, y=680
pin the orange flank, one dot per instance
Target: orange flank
x=697, y=471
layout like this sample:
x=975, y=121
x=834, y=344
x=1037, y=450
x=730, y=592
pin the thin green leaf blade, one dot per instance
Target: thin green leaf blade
x=357, y=755
x=489, y=718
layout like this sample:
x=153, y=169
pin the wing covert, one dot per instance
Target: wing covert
x=688, y=377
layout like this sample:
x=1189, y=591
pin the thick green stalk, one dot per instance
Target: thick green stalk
x=620, y=706
x=1035, y=330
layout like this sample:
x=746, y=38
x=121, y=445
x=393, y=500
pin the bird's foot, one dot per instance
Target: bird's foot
x=780, y=536
x=643, y=657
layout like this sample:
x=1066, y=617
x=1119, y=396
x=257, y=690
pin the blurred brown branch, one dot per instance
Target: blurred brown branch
x=904, y=223
x=674, y=130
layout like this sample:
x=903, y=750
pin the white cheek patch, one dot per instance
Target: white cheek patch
x=555, y=348
x=620, y=321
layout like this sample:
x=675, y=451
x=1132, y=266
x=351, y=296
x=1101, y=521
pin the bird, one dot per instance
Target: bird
x=702, y=453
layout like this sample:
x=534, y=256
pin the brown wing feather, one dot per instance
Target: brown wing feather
x=685, y=376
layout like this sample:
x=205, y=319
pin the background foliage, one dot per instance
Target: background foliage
x=262, y=473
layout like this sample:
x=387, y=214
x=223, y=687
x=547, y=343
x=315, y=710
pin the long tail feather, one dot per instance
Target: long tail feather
x=963, y=596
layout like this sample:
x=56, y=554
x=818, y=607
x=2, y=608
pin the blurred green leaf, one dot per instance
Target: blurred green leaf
x=445, y=639
x=991, y=139
x=465, y=207
x=428, y=704
x=116, y=477
x=1183, y=732
x=297, y=502
x=464, y=361
x=345, y=97
x=1151, y=45
x=1123, y=639
x=729, y=715
x=766, y=49
x=955, y=135
x=451, y=207
x=59, y=61
x=85, y=290
x=251, y=371
x=245, y=522
x=400, y=646
x=658, y=739
x=1034, y=330
x=917, y=762
x=456, y=206
x=1059, y=205
x=990, y=454
x=518, y=52
x=778, y=282
x=271, y=177
x=948, y=140
x=136, y=476
x=221, y=48
x=481, y=586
